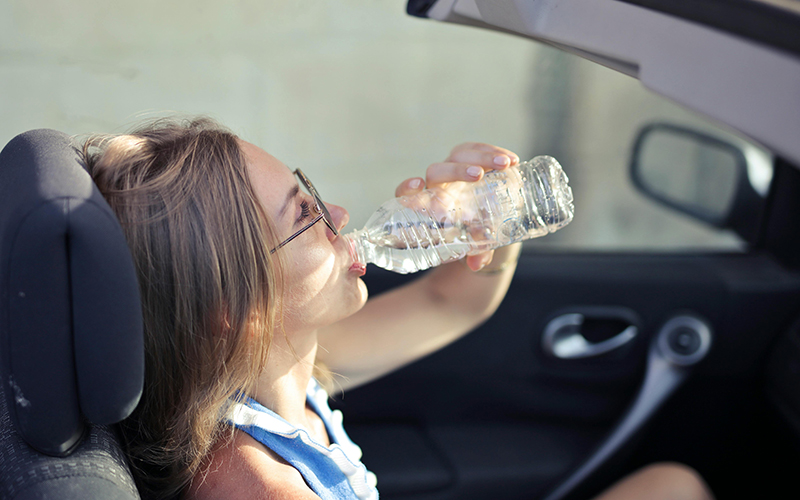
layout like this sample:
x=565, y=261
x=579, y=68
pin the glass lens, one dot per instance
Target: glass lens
x=321, y=208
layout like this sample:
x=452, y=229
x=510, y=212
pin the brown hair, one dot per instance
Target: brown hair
x=200, y=241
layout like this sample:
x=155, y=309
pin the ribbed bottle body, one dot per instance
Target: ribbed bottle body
x=413, y=233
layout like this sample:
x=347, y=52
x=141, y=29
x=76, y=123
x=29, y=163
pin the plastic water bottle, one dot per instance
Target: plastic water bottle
x=439, y=225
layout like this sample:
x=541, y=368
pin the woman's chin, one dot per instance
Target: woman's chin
x=364, y=293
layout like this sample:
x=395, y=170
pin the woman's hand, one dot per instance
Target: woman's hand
x=467, y=163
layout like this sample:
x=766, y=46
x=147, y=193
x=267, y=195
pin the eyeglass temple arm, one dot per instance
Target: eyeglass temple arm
x=295, y=235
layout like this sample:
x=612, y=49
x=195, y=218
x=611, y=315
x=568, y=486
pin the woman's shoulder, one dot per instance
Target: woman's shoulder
x=243, y=468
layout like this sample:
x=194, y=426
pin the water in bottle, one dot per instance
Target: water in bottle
x=412, y=233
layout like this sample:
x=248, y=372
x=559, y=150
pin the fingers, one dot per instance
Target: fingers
x=476, y=262
x=409, y=187
x=440, y=173
x=483, y=154
x=467, y=162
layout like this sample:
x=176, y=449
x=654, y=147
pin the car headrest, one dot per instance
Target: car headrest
x=71, y=341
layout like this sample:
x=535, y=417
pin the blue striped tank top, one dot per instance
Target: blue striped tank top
x=333, y=473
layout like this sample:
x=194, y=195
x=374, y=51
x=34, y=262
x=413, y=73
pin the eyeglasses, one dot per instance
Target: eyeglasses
x=321, y=209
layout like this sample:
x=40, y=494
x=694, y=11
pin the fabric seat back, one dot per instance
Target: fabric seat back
x=71, y=344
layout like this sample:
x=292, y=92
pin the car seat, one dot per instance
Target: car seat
x=71, y=345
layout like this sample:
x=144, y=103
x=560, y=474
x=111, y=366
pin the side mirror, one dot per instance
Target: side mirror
x=699, y=175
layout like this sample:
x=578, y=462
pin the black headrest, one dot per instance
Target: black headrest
x=71, y=343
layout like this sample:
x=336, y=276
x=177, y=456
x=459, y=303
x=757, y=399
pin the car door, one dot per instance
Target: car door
x=602, y=357
x=497, y=416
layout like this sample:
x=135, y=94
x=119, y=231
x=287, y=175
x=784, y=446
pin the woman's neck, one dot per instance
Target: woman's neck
x=283, y=383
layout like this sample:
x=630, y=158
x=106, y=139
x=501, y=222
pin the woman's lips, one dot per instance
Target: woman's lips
x=358, y=268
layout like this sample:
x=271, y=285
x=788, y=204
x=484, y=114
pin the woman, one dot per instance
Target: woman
x=246, y=295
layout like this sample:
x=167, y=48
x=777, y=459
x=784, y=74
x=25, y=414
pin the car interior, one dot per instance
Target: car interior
x=596, y=363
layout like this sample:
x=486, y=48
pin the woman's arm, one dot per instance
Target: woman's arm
x=423, y=316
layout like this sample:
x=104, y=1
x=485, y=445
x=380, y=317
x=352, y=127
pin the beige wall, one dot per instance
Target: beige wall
x=357, y=93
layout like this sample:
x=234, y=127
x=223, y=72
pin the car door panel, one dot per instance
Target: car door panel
x=495, y=415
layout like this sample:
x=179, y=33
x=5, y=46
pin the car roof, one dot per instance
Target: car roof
x=736, y=61
x=771, y=22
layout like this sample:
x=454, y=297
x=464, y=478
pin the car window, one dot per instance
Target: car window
x=592, y=130
x=358, y=95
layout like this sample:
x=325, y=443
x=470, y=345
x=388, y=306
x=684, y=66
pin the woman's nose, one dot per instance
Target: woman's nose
x=340, y=217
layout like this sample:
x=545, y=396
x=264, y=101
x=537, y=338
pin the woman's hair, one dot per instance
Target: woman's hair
x=200, y=241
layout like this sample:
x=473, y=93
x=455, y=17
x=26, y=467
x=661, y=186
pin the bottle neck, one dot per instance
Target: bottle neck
x=356, y=240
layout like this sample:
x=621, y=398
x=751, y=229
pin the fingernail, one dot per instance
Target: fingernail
x=474, y=171
x=501, y=160
x=414, y=183
x=514, y=158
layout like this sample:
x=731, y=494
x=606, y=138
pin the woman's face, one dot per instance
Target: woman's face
x=321, y=287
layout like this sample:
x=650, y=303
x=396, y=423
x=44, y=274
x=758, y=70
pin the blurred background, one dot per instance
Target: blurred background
x=357, y=93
